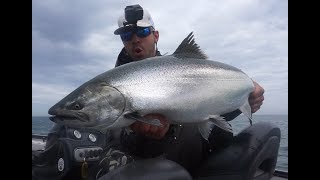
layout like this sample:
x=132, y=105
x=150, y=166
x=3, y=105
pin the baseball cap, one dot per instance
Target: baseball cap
x=123, y=24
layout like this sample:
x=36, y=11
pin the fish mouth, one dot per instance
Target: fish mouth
x=64, y=118
x=69, y=118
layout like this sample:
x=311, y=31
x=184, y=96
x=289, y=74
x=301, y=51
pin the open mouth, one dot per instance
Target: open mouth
x=137, y=50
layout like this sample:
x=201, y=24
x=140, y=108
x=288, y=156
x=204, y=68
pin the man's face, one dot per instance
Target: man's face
x=140, y=44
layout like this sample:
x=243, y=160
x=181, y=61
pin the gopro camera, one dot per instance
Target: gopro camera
x=133, y=13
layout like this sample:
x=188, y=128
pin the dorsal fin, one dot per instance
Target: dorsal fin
x=189, y=49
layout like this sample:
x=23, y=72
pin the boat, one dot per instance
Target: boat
x=252, y=156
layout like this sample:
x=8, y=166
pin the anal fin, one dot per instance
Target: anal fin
x=205, y=127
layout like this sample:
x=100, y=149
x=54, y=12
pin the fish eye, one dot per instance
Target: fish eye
x=76, y=106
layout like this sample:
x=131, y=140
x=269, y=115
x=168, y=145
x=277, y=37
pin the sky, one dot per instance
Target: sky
x=73, y=41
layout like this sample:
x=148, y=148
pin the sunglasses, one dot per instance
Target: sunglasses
x=140, y=32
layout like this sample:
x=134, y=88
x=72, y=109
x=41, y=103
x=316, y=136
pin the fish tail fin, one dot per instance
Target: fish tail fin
x=205, y=128
x=246, y=110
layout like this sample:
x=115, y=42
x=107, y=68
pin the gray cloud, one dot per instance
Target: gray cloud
x=73, y=41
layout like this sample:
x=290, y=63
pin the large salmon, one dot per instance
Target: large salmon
x=183, y=87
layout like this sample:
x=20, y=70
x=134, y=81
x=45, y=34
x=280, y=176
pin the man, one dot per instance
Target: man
x=182, y=144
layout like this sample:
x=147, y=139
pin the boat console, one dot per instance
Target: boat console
x=252, y=156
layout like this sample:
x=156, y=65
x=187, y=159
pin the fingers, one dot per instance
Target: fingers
x=255, y=107
x=256, y=98
x=258, y=91
x=153, y=129
x=154, y=132
x=161, y=132
x=140, y=127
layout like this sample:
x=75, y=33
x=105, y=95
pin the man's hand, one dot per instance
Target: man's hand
x=256, y=97
x=150, y=130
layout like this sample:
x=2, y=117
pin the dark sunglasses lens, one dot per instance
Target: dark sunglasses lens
x=126, y=36
x=143, y=32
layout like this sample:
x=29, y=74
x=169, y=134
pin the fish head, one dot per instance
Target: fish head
x=91, y=105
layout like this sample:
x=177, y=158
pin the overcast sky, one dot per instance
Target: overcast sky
x=73, y=41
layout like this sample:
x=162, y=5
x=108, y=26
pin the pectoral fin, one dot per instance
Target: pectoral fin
x=246, y=110
x=137, y=117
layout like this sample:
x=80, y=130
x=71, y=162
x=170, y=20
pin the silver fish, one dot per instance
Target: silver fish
x=183, y=87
